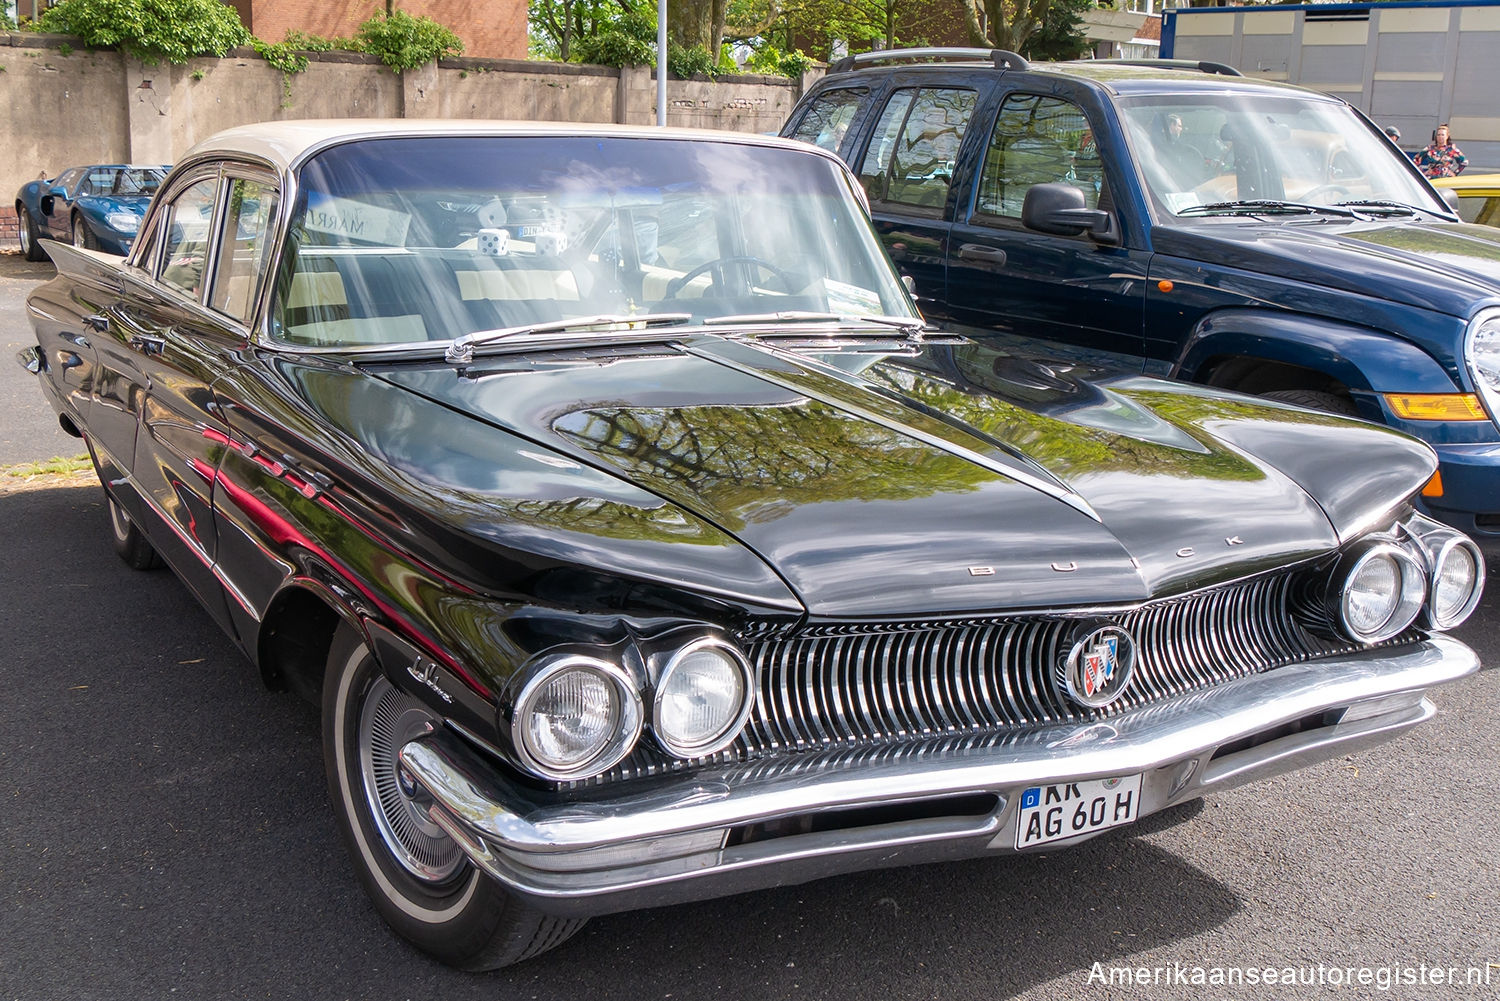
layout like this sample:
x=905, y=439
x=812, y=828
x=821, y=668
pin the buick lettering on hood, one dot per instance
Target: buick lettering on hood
x=642, y=544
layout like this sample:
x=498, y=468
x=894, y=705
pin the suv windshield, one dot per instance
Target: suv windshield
x=414, y=239
x=1214, y=148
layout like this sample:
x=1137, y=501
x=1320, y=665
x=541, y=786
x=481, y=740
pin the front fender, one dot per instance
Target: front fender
x=1363, y=360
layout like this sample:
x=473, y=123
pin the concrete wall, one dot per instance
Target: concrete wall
x=61, y=106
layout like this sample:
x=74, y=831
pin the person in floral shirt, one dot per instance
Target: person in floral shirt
x=1441, y=158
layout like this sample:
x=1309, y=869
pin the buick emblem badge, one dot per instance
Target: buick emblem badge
x=1099, y=666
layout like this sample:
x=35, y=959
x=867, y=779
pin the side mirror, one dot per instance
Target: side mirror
x=1450, y=198
x=59, y=192
x=1060, y=209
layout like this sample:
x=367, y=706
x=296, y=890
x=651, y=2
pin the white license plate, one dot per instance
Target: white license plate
x=1055, y=812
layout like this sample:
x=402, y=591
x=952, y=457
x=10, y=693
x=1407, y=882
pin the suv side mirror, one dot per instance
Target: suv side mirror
x=1450, y=198
x=1060, y=209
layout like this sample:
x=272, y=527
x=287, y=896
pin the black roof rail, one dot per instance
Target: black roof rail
x=1198, y=65
x=1002, y=58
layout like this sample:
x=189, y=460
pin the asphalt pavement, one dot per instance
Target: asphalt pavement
x=165, y=833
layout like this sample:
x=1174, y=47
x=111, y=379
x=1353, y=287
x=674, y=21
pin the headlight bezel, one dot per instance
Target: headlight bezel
x=728, y=734
x=1410, y=595
x=1488, y=392
x=629, y=716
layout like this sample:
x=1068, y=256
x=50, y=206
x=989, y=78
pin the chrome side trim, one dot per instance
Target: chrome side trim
x=644, y=839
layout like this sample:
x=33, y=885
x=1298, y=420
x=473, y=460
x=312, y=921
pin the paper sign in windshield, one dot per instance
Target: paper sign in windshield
x=355, y=220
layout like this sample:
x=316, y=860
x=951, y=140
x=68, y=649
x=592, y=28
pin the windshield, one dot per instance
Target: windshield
x=1212, y=148
x=414, y=239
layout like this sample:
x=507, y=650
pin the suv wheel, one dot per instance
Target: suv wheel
x=1315, y=399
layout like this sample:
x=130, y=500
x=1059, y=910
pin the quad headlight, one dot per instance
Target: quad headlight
x=574, y=717
x=1457, y=572
x=703, y=697
x=1382, y=591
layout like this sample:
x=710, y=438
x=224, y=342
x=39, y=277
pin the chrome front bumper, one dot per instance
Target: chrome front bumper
x=726, y=829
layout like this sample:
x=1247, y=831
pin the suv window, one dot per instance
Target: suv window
x=828, y=117
x=1037, y=140
x=911, y=155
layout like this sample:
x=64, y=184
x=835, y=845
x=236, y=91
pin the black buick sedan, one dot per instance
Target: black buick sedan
x=642, y=544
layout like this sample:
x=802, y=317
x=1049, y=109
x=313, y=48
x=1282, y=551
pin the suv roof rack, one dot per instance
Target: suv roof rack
x=1199, y=65
x=1002, y=58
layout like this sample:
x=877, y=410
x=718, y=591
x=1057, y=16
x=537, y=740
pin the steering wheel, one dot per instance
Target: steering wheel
x=717, y=266
x=1338, y=191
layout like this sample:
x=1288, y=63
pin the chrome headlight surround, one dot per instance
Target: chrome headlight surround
x=625, y=716
x=1362, y=566
x=1445, y=548
x=738, y=667
x=1482, y=355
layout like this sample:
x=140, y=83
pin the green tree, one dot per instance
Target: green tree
x=557, y=26
x=1006, y=24
x=151, y=30
x=1061, y=33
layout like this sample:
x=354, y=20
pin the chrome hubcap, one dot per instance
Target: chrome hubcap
x=78, y=240
x=25, y=233
x=389, y=719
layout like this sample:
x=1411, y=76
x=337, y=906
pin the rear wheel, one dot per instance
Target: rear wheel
x=26, y=227
x=129, y=542
x=417, y=877
x=1315, y=399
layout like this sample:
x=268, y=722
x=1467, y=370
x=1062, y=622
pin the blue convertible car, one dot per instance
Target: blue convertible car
x=98, y=207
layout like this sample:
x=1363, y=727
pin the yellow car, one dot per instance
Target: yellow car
x=1478, y=196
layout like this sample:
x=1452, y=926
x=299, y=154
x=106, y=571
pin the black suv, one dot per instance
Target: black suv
x=1184, y=221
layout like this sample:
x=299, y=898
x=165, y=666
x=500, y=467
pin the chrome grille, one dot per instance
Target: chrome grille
x=857, y=684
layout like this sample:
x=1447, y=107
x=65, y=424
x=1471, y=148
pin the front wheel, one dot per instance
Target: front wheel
x=1315, y=399
x=417, y=877
x=82, y=235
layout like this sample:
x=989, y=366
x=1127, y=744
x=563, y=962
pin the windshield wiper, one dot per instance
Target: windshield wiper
x=909, y=326
x=1265, y=206
x=461, y=351
x=1383, y=203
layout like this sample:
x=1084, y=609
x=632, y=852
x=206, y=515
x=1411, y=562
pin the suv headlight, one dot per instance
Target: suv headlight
x=1381, y=591
x=575, y=717
x=703, y=698
x=1482, y=350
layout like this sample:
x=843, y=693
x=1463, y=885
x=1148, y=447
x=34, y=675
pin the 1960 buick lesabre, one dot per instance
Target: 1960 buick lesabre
x=642, y=545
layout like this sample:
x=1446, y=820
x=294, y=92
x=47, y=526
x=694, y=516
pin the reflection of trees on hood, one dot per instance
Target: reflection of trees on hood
x=1073, y=428
x=748, y=463
x=1434, y=242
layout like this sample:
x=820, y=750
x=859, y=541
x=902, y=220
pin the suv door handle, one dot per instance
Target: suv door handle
x=148, y=345
x=979, y=252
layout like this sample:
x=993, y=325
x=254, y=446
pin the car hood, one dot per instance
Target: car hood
x=1447, y=267
x=102, y=205
x=955, y=478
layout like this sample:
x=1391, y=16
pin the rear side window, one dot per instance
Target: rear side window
x=915, y=144
x=242, y=246
x=1037, y=140
x=829, y=116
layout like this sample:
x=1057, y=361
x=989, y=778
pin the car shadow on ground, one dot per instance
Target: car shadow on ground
x=168, y=830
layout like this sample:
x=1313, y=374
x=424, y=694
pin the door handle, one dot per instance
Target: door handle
x=979, y=252
x=148, y=345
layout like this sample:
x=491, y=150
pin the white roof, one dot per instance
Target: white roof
x=285, y=143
